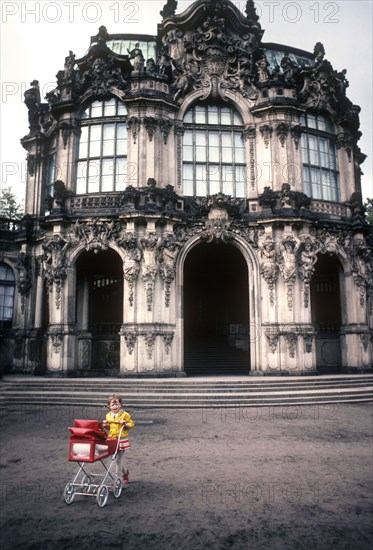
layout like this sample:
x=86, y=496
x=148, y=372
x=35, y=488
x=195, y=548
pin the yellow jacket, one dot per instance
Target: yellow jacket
x=114, y=429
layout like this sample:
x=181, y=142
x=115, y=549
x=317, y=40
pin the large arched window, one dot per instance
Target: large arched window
x=213, y=152
x=7, y=286
x=102, y=153
x=320, y=170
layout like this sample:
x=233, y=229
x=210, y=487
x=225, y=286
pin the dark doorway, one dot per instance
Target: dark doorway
x=99, y=306
x=216, y=311
x=326, y=313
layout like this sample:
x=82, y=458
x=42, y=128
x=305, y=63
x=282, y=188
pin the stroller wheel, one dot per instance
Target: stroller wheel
x=69, y=493
x=102, y=496
x=117, y=489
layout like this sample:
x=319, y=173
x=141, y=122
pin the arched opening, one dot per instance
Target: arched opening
x=99, y=310
x=326, y=312
x=216, y=311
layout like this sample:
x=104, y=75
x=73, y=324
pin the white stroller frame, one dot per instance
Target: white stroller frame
x=85, y=484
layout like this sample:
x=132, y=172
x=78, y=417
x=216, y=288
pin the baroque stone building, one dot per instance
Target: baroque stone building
x=193, y=204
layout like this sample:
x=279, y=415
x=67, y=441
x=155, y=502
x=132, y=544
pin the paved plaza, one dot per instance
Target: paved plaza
x=272, y=477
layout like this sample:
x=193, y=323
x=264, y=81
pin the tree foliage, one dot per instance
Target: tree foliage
x=10, y=208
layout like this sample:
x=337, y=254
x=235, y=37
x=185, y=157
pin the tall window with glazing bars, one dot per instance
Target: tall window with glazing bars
x=102, y=153
x=213, y=151
x=320, y=168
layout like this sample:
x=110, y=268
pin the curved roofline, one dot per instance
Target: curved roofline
x=125, y=36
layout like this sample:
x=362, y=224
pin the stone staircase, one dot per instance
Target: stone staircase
x=214, y=357
x=199, y=392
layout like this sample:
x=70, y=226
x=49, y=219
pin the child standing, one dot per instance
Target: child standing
x=115, y=420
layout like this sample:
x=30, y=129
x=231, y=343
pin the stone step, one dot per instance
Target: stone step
x=193, y=393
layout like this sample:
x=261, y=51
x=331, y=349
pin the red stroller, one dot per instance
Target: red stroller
x=89, y=443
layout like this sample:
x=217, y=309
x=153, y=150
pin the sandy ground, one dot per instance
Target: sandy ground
x=278, y=478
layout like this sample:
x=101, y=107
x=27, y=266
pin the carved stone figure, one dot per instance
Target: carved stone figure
x=137, y=56
x=262, y=68
x=268, y=264
x=131, y=263
x=32, y=101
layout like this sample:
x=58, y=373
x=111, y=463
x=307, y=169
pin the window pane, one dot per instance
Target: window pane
x=83, y=142
x=81, y=177
x=108, y=137
x=95, y=143
x=120, y=174
x=213, y=114
x=122, y=139
x=225, y=115
x=96, y=109
x=200, y=115
x=227, y=150
x=122, y=109
x=200, y=146
x=321, y=123
x=188, y=116
x=109, y=107
x=214, y=147
x=6, y=274
x=93, y=176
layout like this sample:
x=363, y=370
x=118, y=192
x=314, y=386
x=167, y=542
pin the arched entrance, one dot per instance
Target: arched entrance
x=216, y=311
x=99, y=309
x=326, y=312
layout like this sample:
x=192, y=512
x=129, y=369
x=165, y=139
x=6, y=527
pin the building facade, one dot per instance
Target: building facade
x=193, y=205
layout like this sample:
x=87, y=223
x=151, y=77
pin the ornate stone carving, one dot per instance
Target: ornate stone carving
x=268, y=199
x=308, y=341
x=179, y=131
x=296, y=132
x=167, y=254
x=268, y=265
x=56, y=340
x=150, y=343
x=282, y=130
x=101, y=70
x=272, y=341
x=287, y=264
x=131, y=263
x=362, y=269
x=266, y=131
x=24, y=278
x=133, y=125
x=167, y=338
x=149, y=245
x=66, y=129
x=54, y=270
x=213, y=58
x=150, y=125
x=217, y=224
x=291, y=341
x=165, y=126
x=93, y=234
x=249, y=134
x=307, y=259
x=324, y=89
x=131, y=340
x=346, y=141
x=168, y=9
x=33, y=103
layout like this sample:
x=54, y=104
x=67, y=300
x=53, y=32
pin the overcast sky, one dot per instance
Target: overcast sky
x=37, y=36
